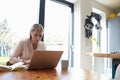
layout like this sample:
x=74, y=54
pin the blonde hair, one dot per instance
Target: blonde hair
x=37, y=27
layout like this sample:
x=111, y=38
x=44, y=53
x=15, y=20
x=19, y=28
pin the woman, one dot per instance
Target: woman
x=26, y=47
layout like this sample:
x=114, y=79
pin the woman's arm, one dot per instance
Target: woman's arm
x=17, y=53
x=14, y=60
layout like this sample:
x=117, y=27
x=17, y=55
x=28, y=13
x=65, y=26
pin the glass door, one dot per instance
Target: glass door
x=58, y=29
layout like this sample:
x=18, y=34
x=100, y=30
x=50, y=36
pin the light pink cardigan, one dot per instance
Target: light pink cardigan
x=25, y=50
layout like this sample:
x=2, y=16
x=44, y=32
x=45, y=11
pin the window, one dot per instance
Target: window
x=16, y=20
x=58, y=29
x=100, y=43
x=18, y=17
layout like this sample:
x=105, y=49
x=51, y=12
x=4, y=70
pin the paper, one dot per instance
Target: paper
x=16, y=66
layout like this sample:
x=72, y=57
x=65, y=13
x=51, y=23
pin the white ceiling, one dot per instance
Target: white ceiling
x=112, y=4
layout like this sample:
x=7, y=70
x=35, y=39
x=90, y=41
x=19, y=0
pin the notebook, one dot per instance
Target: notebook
x=45, y=59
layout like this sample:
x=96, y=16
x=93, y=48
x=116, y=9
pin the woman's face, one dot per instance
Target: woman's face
x=36, y=36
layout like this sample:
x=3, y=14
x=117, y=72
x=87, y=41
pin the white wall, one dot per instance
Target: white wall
x=77, y=35
x=82, y=44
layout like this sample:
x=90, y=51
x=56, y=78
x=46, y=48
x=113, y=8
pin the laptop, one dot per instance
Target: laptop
x=45, y=59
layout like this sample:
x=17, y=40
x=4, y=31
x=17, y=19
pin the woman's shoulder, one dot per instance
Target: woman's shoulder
x=24, y=41
x=41, y=45
x=41, y=42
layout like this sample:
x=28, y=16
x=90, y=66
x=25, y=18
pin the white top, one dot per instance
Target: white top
x=25, y=50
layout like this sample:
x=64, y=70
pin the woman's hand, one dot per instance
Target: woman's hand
x=26, y=61
x=14, y=60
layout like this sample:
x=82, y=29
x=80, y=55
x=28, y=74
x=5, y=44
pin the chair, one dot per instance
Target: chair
x=117, y=73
